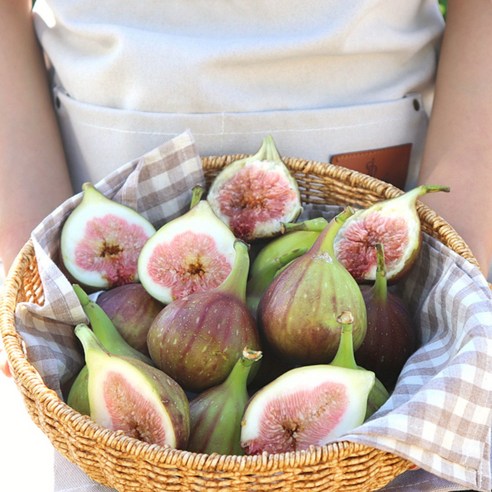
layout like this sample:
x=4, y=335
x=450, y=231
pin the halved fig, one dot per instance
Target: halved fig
x=255, y=195
x=189, y=254
x=395, y=224
x=101, y=241
x=128, y=395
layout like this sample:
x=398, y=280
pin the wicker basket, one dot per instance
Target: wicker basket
x=126, y=464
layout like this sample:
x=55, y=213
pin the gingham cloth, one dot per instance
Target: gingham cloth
x=440, y=413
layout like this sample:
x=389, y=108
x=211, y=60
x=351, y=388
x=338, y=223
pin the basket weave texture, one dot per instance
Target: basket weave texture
x=126, y=464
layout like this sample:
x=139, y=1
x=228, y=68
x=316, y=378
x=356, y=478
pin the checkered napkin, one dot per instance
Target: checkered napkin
x=440, y=413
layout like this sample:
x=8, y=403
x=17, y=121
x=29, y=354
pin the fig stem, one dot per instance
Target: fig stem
x=236, y=282
x=413, y=194
x=240, y=372
x=325, y=241
x=317, y=225
x=345, y=353
x=104, y=329
x=196, y=195
x=91, y=344
x=380, y=283
x=268, y=150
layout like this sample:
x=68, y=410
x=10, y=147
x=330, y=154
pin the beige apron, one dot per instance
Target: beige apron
x=328, y=79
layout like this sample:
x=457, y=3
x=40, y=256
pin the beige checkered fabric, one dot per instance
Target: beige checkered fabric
x=439, y=415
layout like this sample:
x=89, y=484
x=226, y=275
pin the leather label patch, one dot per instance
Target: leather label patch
x=388, y=164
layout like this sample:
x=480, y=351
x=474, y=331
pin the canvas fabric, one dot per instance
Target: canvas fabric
x=440, y=413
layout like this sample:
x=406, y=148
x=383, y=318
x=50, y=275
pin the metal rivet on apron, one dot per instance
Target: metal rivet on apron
x=416, y=104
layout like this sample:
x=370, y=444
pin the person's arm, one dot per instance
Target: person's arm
x=33, y=173
x=458, y=150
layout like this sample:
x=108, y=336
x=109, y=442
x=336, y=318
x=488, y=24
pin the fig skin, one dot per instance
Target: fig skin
x=101, y=241
x=298, y=312
x=394, y=223
x=390, y=337
x=217, y=412
x=198, y=339
x=132, y=310
x=255, y=195
x=117, y=385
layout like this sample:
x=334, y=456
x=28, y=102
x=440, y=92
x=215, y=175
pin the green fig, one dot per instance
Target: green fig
x=101, y=241
x=255, y=195
x=128, y=395
x=298, y=311
x=217, y=412
x=394, y=223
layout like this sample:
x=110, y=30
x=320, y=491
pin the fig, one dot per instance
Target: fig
x=298, y=311
x=253, y=196
x=131, y=309
x=217, y=412
x=112, y=341
x=395, y=224
x=101, y=241
x=128, y=395
x=189, y=254
x=390, y=337
x=198, y=339
x=309, y=405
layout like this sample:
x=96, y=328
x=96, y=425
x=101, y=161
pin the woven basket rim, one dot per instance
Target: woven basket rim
x=42, y=400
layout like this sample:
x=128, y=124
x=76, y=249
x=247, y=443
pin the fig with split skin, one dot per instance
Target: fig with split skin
x=198, y=339
x=254, y=195
x=130, y=396
x=217, y=412
x=298, y=311
x=391, y=337
x=132, y=310
x=101, y=241
x=394, y=223
x=309, y=405
x=191, y=253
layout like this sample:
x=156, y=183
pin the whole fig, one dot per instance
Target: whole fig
x=298, y=311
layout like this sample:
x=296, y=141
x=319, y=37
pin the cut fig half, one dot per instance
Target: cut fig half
x=189, y=254
x=254, y=196
x=306, y=406
x=128, y=395
x=395, y=224
x=101, y=241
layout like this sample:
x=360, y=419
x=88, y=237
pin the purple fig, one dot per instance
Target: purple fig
x=310, y=405
x=128, y=395
x=191, y=253
x=101, y=241
x=217, y=412
x=390, y=337
x=132, y=310
x=393, y=223
x=198, y=339
x=298, y=311
x=255, y=195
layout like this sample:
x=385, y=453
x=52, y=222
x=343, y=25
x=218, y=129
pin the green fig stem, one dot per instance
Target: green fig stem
x=92, y=346
x=325, y=241
x=268, y=150
x=317, y=225
x=196, y=195
x=236, y=281
x=413, y=194
x=381, y=282
x=345, y=353
x=104, y=329
x=240, y=372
